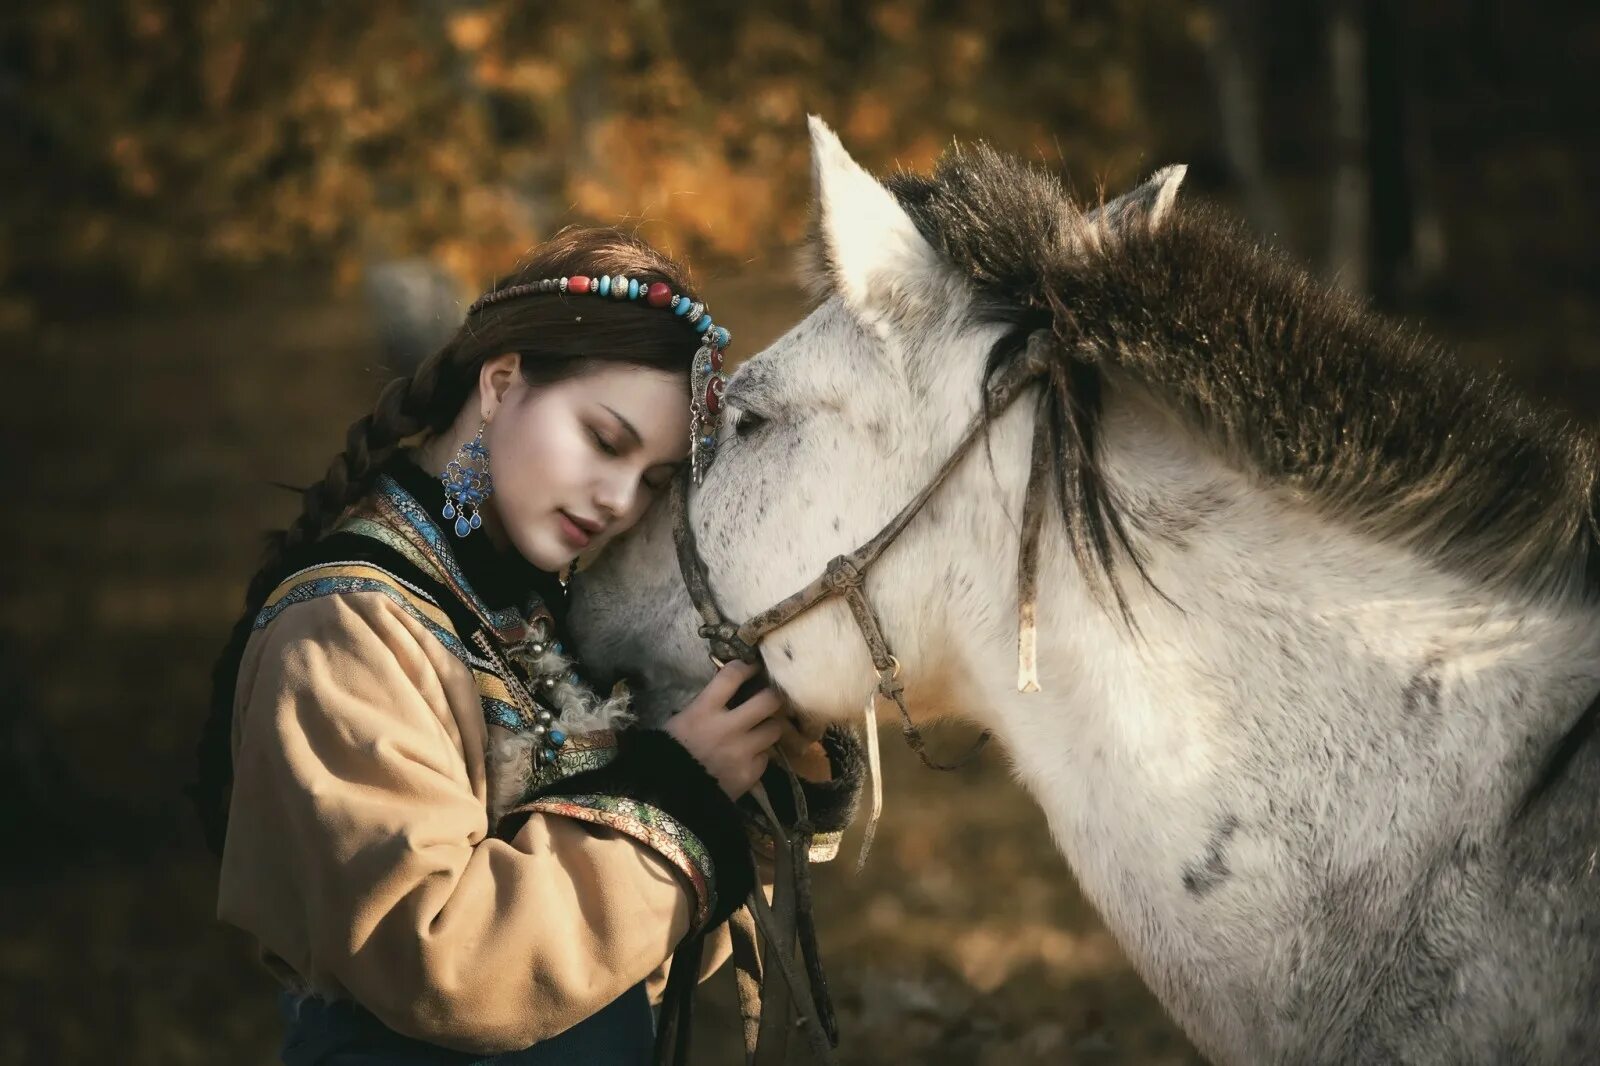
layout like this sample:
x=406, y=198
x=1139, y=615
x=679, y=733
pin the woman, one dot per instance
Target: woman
x=443, y=847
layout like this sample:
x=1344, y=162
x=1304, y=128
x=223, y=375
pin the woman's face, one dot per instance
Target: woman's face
x=578, y=462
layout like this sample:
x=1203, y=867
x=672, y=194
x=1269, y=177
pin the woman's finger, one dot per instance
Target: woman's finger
x=758, y=708
x=758, y=766
x=765, y=735
x=720, y=689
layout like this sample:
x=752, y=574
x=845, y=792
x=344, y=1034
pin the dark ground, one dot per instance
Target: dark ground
x=140, y=443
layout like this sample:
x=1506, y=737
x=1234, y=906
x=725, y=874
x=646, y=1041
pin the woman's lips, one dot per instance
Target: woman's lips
x=570, y=530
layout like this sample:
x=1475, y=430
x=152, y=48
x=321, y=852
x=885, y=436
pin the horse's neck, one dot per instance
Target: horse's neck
x=1307, y=697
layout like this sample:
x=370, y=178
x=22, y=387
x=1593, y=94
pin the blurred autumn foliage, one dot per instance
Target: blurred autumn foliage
x=164, y=137
x=214, y=163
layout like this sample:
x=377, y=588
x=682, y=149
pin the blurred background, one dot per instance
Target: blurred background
x=224, y=224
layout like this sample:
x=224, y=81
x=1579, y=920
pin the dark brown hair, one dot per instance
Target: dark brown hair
x=554, y=343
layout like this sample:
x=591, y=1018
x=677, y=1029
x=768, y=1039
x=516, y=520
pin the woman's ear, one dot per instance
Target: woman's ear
x=495, y=376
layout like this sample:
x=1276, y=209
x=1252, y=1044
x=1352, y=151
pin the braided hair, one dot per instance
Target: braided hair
x=553, y=345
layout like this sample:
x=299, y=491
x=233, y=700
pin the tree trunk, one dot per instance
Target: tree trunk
x=1350, y=214
x=1230, y=51
x=1407, y=239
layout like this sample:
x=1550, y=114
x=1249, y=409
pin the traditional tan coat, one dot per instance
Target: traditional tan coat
x=361, y=852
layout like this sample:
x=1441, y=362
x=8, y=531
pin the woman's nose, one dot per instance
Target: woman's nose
x=615, y=495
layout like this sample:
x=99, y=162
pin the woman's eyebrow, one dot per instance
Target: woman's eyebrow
x=626, y=425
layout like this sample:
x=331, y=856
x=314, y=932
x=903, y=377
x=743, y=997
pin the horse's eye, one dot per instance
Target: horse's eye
x=746, y=423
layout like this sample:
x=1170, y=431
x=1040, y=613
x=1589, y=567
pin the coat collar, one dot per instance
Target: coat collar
x=503, y=589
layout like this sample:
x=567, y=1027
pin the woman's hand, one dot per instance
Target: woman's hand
x=732, y=743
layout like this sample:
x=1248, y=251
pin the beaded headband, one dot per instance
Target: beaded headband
x=706, y=379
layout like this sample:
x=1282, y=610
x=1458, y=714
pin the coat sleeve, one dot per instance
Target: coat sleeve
x=359, y=850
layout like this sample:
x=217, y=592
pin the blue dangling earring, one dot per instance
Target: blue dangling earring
x=467, y=484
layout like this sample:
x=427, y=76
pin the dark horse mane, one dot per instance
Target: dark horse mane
x=1371, y=424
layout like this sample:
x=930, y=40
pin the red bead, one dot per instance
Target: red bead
x=714, y=389
x=578, y=283
x=716, y=359
x=659, y=294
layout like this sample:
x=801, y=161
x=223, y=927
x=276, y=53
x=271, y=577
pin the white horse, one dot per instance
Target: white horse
x=1317, y=625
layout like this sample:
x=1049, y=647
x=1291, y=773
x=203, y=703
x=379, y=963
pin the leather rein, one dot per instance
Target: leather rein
x=766, y=1006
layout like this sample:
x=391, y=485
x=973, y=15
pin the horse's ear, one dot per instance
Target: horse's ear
x=865, y=246
x=1149, y=205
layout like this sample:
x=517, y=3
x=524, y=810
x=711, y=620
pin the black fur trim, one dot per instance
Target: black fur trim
x=653, y=768
x=831, y=804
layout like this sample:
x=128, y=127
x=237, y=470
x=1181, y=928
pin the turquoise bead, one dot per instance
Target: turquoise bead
x=557, y=737
x=703, y=325
x=633, y=289
x=605, y=285
x=684, y=303
x=723, y=337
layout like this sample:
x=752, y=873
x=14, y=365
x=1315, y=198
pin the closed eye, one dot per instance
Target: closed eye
x=661, y=481
x=604, y=445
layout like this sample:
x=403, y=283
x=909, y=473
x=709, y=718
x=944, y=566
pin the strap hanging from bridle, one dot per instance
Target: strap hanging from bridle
x=796, y=1003
x=771, y=1011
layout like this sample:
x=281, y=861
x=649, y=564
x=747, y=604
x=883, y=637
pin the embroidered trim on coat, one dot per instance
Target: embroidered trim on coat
x=651, y=826
x=583, y=751
x=348, y=577
x=390, y=515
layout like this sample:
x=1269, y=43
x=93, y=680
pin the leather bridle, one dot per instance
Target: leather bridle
x=845, y=575
x=767, y=1005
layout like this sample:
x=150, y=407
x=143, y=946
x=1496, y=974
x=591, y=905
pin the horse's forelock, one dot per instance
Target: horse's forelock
x=1008, y=227
x=1000, y=221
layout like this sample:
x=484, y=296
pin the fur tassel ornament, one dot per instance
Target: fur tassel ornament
x=559, y=705
x=555, y=681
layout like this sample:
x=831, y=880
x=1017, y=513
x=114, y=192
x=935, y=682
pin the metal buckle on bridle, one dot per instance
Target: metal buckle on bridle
x=725, y=644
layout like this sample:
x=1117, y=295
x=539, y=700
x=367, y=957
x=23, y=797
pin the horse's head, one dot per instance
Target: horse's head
x=927, y=285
